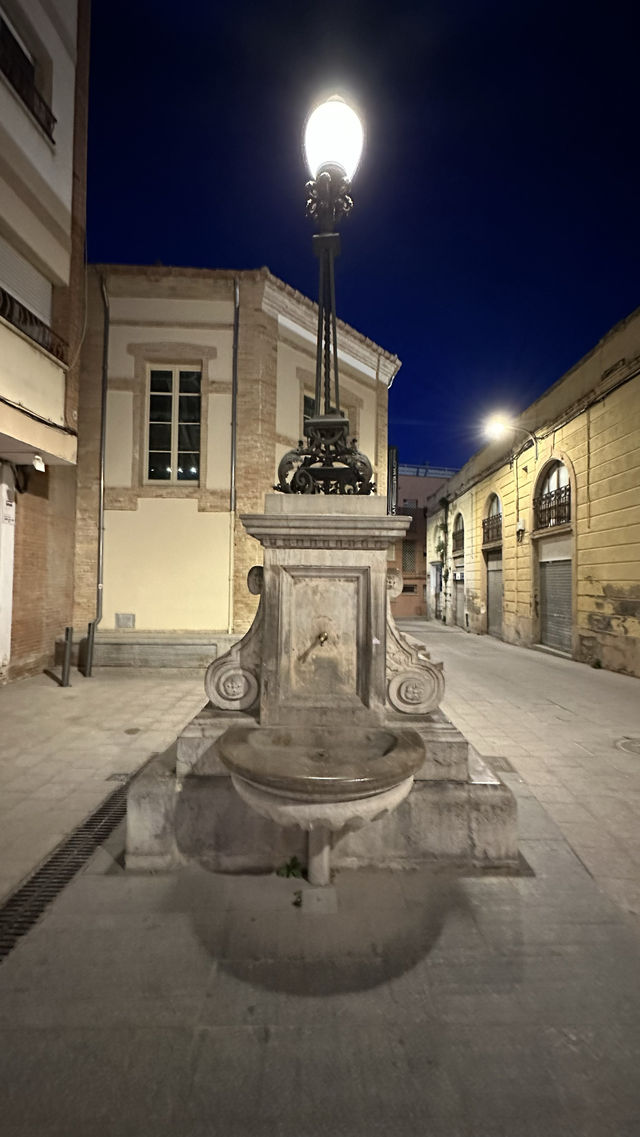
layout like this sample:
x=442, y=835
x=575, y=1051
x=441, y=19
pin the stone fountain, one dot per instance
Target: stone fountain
x=323, y=735
x=323, y=719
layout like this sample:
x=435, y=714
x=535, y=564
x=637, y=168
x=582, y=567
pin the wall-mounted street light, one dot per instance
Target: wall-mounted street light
x=329, y=462
x=498, y=426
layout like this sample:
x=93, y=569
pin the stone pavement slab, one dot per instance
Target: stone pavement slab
x=60, y=746
x=560, y=726
x=478, y=1006
x=409, y=1003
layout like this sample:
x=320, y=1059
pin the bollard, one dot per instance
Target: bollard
x=91, y=633
x=66, y=663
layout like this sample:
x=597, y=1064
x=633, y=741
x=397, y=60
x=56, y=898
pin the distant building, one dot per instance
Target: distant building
x=416, y=484
x=209, y=375
x=44, y=53
x=538, y=541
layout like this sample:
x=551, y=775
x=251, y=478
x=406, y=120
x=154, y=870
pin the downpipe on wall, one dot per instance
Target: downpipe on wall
x=234, y=431
x=91, y=629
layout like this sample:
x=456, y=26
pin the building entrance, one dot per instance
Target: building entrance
x=494, y=593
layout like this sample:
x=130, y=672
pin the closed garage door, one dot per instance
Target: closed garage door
x=555, y=604
x=494, y=593
x=459, y=589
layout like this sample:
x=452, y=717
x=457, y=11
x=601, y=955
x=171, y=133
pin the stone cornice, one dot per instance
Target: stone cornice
x=280, y=300
x=285, y=531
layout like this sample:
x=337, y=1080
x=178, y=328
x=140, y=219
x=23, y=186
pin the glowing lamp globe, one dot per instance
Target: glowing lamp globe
x=496, y=427
x=333, y=137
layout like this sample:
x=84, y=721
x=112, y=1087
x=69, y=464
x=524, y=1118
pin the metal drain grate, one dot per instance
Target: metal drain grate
x=26, y=906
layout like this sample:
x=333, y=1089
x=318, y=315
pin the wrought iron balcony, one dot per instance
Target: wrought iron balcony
x=20, y=71
x=457, y=541
x=553, y=508
x=492, y=528
x=15, y=313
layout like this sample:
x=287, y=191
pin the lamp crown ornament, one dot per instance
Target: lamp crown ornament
x=329, y=462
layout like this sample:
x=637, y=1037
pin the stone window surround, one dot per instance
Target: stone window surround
x=172, y=354
x=174, y=424
x=349, y=402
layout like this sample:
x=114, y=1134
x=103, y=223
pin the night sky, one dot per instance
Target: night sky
x=494, y=237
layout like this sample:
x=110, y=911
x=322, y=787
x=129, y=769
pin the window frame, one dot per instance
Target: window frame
x=174, y=481
x=552, y=506
x=26, y=71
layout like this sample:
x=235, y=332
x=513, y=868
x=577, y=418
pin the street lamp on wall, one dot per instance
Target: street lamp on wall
x=498, y=426
x=329, y=462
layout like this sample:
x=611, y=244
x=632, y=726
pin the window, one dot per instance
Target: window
x=410, y=502
x=413, y=588
x=492, y=524
x=309, y=406
x=408, y=556
x=18, y=66
x=458, y=534
x=552, y=506
x=173, y=452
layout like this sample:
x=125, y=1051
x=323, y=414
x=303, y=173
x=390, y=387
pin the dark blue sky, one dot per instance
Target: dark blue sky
x=494, y=237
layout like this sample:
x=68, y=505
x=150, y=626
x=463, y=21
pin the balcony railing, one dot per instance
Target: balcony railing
x=15, y=313
x=553, y=508
x=457, y=541
x=492, y=528
x=18, y=69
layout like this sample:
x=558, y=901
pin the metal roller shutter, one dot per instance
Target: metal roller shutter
x=494, y=593
x=23, y=281
x=555, y=604
x=459, y=586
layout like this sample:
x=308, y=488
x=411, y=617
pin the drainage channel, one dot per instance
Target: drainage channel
x=28, y=903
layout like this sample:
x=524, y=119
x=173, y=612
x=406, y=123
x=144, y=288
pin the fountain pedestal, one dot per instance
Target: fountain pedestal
x=324, y=717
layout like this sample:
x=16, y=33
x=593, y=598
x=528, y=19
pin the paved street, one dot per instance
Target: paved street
x=61, y=746
x=572, y=734
x=428, y=1003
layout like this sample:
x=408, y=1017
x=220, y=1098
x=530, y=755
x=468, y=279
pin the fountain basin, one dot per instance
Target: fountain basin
x=315, y=764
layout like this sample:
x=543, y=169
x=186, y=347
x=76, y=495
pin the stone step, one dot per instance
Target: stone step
x=139, y=648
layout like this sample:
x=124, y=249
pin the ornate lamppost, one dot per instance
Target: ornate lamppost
x=329, y=461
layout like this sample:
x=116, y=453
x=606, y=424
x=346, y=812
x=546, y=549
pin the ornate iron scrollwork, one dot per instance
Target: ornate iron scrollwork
x=328, y=200
x=328, y=463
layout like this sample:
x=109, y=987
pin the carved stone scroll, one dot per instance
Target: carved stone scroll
x=231, y=682
x=415, y=685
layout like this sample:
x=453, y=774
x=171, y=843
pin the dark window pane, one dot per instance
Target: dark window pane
x=189, y=408
x=188, y=467
x=160, y=408
x=188, y=437
x=161, y=381
x=309, y=406
x=159, y=467
x=189, y=382
x=160, y=436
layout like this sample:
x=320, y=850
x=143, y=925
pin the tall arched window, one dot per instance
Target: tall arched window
x=458, y=534
x=552, y=504
x=492, y=523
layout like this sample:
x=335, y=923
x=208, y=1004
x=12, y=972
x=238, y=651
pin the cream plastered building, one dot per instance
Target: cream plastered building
x=537, y=539
x=44, y=51
x=204, y=376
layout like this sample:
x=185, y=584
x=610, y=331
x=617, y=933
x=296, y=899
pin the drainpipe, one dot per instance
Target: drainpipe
x=91, y=630
x=234, y=431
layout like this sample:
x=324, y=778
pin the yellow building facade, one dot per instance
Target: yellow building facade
x=537, y=539
x=199, y=382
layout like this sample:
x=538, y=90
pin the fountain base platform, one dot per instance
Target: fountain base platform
x=458, y=813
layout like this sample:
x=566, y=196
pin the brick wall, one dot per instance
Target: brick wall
x=256, y=436
x=45, y=513
x=88, y=468
x=43, y=568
